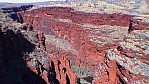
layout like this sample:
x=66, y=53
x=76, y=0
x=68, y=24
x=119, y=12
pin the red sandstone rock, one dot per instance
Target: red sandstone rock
x=47, y=21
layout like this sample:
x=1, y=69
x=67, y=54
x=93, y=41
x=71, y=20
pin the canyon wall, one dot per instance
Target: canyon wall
x=24, y=58
x=86, y=33
x=80, y=45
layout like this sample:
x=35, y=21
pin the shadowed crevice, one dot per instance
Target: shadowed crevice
x=13, y=67
x=52, y=74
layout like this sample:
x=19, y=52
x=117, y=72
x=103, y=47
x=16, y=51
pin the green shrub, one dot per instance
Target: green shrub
x=138, y=55
x=80, y=71
x=92, y=63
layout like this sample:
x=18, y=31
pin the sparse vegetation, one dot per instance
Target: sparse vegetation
x=80, y=71
x=138, y=55
x=93, y=63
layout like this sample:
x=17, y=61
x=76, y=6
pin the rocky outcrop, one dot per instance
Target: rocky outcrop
x=81, y=17
x=90, y=38
x=85, y=43
x=132, y=59
x=23, y=52
x=13, y=69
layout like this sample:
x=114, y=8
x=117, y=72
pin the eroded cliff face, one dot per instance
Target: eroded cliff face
x=13, y=45
x=85, y=45
x=85, y=38
x=24, y=58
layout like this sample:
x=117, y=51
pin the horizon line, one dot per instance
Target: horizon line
x=24, y=1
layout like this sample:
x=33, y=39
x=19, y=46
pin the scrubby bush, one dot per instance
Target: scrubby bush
x=92, y=63
x=80, y=4
x=144, y=35
x=147, y=47
x=80, y=71
x=138, y=55
x=101, y=8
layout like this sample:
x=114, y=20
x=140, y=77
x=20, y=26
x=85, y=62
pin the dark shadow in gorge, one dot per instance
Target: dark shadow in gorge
x=13, y=68
x=52, y=74
x=16, y=17
x=67, y=79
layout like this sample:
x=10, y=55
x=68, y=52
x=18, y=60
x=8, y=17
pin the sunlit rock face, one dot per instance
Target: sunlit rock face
x=133, y=57
x=85, y=47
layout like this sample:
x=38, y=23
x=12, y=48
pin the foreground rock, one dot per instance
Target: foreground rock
x=22, y=58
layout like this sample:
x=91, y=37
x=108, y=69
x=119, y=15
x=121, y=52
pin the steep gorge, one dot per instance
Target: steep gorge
x=76, y=38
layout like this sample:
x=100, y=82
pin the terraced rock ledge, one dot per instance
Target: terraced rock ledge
x=81, y=47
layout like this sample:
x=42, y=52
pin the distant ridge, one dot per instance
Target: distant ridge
x=5, y=3
x=33, y=1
